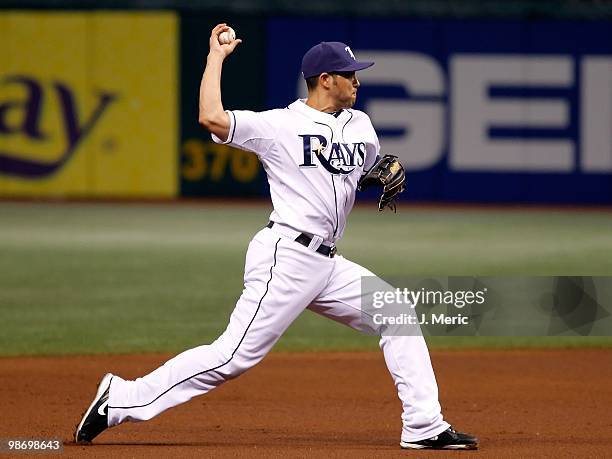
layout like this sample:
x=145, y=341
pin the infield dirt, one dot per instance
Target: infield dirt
x=520, y=403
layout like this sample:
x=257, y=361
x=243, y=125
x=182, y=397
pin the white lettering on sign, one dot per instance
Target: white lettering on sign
x=422, y=142
x=474, y=112
x=596, y=114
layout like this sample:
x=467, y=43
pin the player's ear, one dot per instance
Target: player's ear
x=325, y=80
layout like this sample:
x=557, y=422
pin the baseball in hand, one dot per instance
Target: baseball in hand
x=225, y=38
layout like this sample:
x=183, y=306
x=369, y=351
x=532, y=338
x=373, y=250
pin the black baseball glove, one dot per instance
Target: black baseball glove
x=389, y=173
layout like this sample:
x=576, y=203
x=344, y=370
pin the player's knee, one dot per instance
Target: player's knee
x=224, y=347
x=234, y=367
x=244, y=359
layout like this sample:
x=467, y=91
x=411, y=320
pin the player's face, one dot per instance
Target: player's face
x=344, y=88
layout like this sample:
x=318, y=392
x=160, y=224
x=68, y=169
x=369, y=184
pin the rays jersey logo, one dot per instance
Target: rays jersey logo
x=341, y=158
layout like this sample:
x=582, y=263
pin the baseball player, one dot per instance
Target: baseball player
x=315, y=151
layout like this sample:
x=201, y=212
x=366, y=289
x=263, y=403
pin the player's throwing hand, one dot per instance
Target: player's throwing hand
x=216, y=47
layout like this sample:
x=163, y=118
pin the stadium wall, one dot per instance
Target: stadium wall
x=480, y=110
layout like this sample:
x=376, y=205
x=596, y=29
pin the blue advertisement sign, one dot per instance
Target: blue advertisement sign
x=484, y=111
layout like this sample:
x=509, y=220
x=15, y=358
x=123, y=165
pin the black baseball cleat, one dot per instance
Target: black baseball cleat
x=95, y=419
x=449, y=439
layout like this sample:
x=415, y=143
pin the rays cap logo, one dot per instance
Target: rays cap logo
x=331, y=56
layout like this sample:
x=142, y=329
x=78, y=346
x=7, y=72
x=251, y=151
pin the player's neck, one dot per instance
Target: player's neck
x=322, y=104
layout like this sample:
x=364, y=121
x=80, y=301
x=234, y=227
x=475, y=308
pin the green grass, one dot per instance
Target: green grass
x=98, y=278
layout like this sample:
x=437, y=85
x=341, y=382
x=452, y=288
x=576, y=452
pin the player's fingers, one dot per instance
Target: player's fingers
x=218, y=28
x=214, y=36
x=234, y=43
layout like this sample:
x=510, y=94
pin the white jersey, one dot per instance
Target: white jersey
x=313, y=161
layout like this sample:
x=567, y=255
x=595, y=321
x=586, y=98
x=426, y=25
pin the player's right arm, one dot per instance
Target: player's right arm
x=212, y=115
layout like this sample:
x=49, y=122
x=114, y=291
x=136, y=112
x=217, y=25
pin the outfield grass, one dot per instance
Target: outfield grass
x=98, y=278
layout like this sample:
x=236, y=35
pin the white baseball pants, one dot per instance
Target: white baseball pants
x=281, y=279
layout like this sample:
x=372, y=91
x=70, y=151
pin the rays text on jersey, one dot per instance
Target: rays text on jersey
x=341, y=158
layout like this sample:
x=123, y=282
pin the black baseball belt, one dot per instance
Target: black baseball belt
x=305, y=240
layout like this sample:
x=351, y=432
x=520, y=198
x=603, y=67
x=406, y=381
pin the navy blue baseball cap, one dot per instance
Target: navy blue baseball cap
x=330, y=56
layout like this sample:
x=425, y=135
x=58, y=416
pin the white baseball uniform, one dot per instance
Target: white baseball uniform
x=313, y=161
